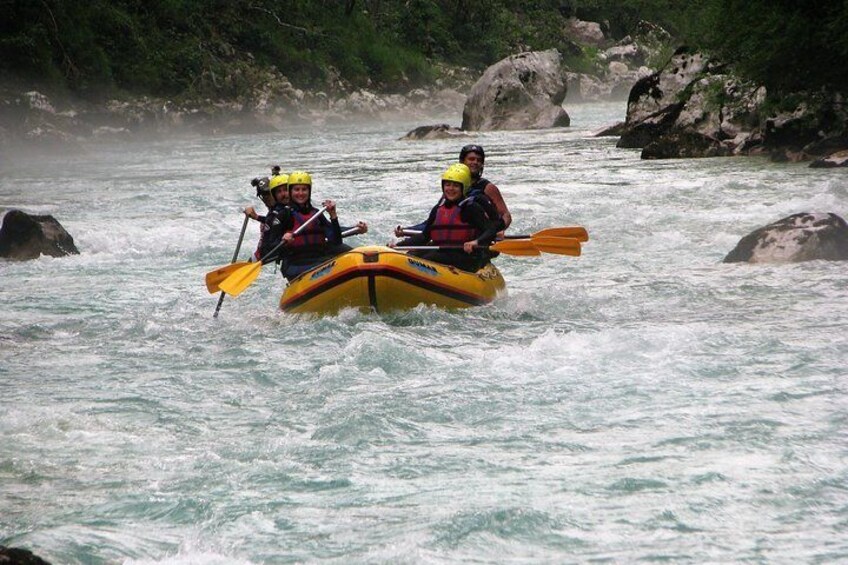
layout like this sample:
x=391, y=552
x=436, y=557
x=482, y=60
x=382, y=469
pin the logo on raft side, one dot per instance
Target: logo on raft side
x=322, y=271
x=426, y=269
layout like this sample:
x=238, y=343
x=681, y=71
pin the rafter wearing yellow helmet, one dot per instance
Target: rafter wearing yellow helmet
x=455, y=222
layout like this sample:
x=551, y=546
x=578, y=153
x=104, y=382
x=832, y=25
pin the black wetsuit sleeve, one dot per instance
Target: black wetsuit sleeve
x=474, y=214
x=280, y=221
x=491, y=211
x=332, y=230
x=417, y=227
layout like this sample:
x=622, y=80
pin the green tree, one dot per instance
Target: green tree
x=786, y=45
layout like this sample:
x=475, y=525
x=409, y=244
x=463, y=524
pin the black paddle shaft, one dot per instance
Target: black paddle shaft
x=235, y=257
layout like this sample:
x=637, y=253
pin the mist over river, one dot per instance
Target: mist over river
x=641, y=403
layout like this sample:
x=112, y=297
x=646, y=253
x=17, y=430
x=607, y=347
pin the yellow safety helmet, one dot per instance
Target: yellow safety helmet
x=458, y=173
x=280, y=180
x=300, y=177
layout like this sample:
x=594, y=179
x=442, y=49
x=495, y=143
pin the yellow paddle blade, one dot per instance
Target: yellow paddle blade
x=240, y=279
x=524, y=247
x=214, y=278
x=558, y=245
x=574, y=232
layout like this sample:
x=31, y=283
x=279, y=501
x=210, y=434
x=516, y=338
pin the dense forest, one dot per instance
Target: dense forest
x=184, y=47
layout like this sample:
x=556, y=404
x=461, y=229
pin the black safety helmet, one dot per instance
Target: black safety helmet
x=471, y=149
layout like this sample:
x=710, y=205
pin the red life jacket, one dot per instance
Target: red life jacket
x=312, y=235
x=449, y=229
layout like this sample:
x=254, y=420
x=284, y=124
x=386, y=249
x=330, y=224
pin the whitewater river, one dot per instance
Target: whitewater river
x=641, y=403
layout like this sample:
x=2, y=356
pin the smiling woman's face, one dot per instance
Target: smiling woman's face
x=300, y=193
x=452, y=190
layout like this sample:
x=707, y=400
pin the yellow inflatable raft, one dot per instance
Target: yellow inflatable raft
x=379, y=278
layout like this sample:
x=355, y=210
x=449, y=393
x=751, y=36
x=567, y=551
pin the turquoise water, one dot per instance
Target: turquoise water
x=643, y=402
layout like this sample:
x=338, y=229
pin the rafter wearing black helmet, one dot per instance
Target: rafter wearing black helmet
x=474, y=157
x=267, y=190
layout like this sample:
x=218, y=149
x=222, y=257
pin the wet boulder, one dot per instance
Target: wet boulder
x=838, y=159
x=690, y=108
x=438, y=131
x=524, y=91
x=801, y=237
x=814, y=126
x=656, y=100
x=683, y=144
x=23, y=237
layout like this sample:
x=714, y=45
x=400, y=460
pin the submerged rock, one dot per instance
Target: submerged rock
x=524, y=91
x=25, y=237
x=18, y=556
x=438, y=131
x=801, y=237
x=612, y=130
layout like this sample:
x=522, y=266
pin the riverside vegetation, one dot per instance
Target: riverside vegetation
x=245, y=55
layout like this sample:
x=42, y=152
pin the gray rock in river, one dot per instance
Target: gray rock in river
x=524, y=91
x=25, y=237
x=691, y=108
x=611, y=130
x=838, y=159
x=694, y=107
x=800, y=237
x=655, y=101
x=438, y=131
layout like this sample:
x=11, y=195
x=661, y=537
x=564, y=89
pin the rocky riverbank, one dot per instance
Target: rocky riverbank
x=34, y=117
x=695, y=107
x=39, y=119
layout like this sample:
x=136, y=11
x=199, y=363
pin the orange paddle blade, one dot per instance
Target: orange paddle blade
x=574, y=232
x=240, y=279
x=524, y=247
x=214, y=278
x=557, y=245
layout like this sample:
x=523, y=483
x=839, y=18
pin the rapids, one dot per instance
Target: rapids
x=643, y=402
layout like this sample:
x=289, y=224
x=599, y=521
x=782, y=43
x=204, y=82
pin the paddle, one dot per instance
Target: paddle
x=556, y=245
x=235, y=256
x=233, y=279
x=574, y=232
x=352, y=231
x=529, y=247
x=518, y=247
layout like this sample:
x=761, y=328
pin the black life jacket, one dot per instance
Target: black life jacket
x=477, y=187
x=477, y=194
